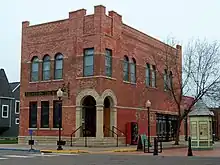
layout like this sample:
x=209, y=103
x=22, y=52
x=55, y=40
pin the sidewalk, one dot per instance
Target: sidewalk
x=68, y=149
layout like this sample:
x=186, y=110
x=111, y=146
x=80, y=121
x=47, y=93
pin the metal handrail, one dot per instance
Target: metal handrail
x=113, y=133
x=125, y=135
x=71, y=142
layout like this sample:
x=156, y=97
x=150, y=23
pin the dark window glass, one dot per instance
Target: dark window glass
x=17, y=107
x=108, y=63
x=133, y=71
x=58, y=73
x=125, y=69
x=33, y=115
x=57, y=107
x=34, y=69
x=148, y=75
x=153, y=76
x=46, y=68
x=165, y=79
x=88, y=62
x=45, y=114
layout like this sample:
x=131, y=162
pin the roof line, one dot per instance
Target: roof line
x=16, y=87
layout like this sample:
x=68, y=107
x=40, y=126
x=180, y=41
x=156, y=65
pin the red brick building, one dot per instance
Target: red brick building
x=107, y=69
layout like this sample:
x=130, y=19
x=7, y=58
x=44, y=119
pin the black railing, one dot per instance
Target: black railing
x=71, y=137
x=113, y=133
x=123, y=133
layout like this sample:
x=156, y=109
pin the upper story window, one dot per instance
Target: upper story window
x=133, y=70
x=170, y=80
x=165, y=79
x=46, y=68
x=58, y=72
x=153, y=83
x=148, y=75
x=108, y=62
x=17, y=107
x=88, y=62
x=5, y=111
x=125, y=68
x=34, y=69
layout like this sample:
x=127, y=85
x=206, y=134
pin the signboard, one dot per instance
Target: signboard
x=30, y=132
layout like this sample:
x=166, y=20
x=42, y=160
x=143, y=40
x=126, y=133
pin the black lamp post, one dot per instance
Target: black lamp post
x=59, y=95
x=148, y=104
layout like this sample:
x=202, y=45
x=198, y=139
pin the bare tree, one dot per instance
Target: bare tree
x=194, y=73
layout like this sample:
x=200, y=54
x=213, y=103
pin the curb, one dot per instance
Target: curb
x=19, y=149
x=125, y=150
x=64, y=151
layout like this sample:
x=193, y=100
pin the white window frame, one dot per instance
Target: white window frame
x=5, y=117
x=16, y=121
x=17, y=101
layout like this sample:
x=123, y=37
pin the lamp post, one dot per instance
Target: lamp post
x=59, y=95
x=148, y=104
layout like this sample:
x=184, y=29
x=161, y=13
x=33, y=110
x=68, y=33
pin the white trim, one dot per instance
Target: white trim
x=10, y=98
x=16, y=121
x=16, y=87
x=17, y=101
x=5, y=117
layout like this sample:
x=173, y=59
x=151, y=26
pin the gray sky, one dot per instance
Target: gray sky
x=182, y=19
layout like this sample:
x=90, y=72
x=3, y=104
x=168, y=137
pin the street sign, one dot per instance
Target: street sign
x=30, y=132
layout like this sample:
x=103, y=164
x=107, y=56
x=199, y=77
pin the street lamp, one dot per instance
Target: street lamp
x=148, y=105
x=59, y=95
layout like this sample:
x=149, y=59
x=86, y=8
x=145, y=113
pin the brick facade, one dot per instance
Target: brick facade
x=70, y=37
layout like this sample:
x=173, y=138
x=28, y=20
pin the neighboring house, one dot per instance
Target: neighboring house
x=216, y=122
x=10, y=106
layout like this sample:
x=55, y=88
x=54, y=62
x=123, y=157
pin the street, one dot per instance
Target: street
x=26, y=158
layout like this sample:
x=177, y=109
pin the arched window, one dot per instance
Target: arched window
x=108, y=62
x=34, y=69
x=170, y=80
x=133, y=70
x=148, y=75
x=88, y=63
x=125, y=68
x=58, y=72
x=46, y=68
x=165, y=79
x=153, y=76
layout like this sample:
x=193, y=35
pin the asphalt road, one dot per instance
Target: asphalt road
x=25, y=158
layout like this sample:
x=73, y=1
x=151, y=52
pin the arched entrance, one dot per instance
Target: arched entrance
x=107, y=117
x=89, y=115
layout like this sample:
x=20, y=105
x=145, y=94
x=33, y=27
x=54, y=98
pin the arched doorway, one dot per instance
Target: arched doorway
x=89, y=116
x=107, y=117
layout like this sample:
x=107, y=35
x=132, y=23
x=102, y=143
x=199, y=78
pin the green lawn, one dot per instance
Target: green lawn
x=8, y=140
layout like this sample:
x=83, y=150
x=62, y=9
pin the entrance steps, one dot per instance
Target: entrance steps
x=96, y=142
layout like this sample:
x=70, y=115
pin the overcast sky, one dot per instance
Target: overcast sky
x=182, y=19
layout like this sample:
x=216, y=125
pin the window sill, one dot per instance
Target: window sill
x=56, y=129
x=46, y=81
x=44, y=128
x=128, y=82
x=151, y=87
x=32, y=128
x=57, y=80
x=90, y=77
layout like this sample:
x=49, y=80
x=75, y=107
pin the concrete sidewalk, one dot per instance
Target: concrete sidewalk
x=73, y=150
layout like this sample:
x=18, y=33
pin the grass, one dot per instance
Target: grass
x=8, y=140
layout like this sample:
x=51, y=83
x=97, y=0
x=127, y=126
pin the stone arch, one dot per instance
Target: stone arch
x=109, y=93
x=86, y=92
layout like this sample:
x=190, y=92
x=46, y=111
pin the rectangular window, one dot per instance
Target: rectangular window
x=57, y=113
x=153, y=76
x=88, y=62
x=108, y=62
x=17, y=121
x=125, y=70
x=5, y=111
x=17, y=107
x=45, y=114
x=33, y=114
x=148, y=75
